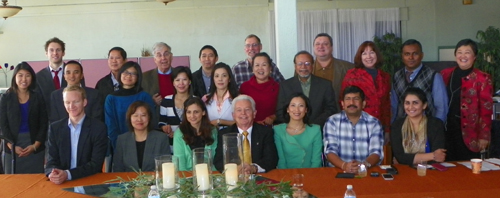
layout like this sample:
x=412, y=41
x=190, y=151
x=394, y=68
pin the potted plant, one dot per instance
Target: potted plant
x=390, y=48
x=488, y=56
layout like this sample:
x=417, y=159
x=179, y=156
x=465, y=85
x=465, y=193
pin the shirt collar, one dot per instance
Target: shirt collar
x=249, y=130
x=166, y=73
x=318, y=67
x=79, y=122
x=345, y=118
x=113, y=79
x=416, y=70
x=58, y=68
x=308, y=81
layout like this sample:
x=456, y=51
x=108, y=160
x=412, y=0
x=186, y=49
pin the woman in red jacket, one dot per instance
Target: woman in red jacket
x=263, y=89
x=470, y=92
x=375, y=83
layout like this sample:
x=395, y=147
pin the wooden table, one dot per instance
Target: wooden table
x=455, y=182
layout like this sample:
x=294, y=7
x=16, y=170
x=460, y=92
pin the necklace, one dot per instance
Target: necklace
x=295, y=130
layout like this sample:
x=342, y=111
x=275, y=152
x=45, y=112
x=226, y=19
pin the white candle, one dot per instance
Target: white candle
x=168, y=171
x=231, y=172
x=202, y=177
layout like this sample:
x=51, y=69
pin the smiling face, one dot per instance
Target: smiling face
x=221, y=78
x=129, y=78
x=55, y=53
x=115, y=60
x=243, y=113
x=140, y=119
x=208, y=59
x=261, y=68
x=369, y=57
x=194, y=114
x=73, y=74
x=74, y=103
x=163, y=58
x=323, y=47
x=23, y=79
x=181, y=83
x=414, y=107
x=297, y=108
x=303, y=65
x=353, y=104
x=412, y=56
x=465, y=57
x=252, y=47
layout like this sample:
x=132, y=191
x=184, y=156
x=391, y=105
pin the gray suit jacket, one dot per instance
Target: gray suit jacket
x=150, y=82
x=125, y=159
x=93, y=109
x=321, y=96
x=341, y=67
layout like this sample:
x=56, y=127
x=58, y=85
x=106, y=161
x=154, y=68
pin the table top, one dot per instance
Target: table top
x=455, y=182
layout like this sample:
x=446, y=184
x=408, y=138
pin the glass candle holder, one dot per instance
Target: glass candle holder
x=232, y=153
x=202, y=169
x=166, y=172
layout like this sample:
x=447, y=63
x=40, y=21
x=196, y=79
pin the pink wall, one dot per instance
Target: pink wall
x=95, y=69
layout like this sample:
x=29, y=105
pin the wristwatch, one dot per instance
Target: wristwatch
x=367, y=164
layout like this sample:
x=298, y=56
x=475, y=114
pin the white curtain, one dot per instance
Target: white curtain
x=348, y=28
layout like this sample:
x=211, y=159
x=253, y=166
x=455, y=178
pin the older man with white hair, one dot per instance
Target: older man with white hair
x=158, y=82
x=259, y=150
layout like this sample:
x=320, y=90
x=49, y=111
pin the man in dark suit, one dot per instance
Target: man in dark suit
x=157, y=82
x=319, y=91
x=264, y=156
x=73, y=74
x=78, y=144
x=202, y=78
x=51, y=78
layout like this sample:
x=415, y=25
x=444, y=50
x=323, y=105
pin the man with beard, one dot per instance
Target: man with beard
x=323, y=103
x=352, y=136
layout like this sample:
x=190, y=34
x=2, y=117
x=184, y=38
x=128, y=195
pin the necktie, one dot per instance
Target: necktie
x=408, y=74
x=57, y=83
x=247, y=153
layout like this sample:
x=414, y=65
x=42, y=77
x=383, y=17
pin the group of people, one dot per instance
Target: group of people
x=331, y=112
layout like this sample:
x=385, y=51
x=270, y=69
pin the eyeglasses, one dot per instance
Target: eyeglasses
x=165, y=54
x=252, y=45
x=126, y=73
x=300, y=64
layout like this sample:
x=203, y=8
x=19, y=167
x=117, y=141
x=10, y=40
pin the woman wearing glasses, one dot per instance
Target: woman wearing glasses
x=117, y=103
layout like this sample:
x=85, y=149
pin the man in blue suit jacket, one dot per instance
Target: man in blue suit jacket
x=73, y=74
x=78, y=144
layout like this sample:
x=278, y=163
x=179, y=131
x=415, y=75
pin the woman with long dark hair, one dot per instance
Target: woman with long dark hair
x=24, y=121
x=223, y=89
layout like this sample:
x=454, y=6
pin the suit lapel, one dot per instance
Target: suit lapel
x=255, y=140
x=66, y=143
x=82, y=140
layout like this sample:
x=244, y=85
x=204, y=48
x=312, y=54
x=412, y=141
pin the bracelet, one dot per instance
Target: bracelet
x=343, y=165
x=34, y=147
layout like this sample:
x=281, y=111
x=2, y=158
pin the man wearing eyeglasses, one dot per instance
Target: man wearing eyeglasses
x=328, y=67
x=157, y=82
x=318, y=90
x=243, y=70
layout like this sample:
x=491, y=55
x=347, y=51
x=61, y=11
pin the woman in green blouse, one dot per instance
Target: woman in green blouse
x=194, y=132
x=298, y=143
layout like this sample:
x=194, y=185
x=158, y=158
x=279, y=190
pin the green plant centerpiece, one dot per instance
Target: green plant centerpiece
x=390, y=48
x=488, y=56
x=140, y=185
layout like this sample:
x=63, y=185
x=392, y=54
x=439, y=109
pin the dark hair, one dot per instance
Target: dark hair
x=76, y=63
x=411, y=42
x=358, y=62
x=231, y=87
x=417, y=92
x=467, y=42
x=182, y=69
x=129, y=64
x=123, y=53
x=306, y=53
x=253, y=36
x=354, y=89
x=17, y=69
x=133, y=108
x=286, y=116
x=326, y=35
x=210, y=48
x=55, y=40
x=265, y=55
x=188, y=131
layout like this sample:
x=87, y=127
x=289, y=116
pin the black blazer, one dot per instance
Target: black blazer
x=199, y=87
x=46, y=84
x=262, y=144
x=125, y=158
x=93, y=109
x=435, y=136
x=92, y=147
x=10, y=118
x=105, y=87
x=321, y=96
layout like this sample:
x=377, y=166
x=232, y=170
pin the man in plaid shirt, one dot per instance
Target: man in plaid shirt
x=243, y=70
x=353, y=136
